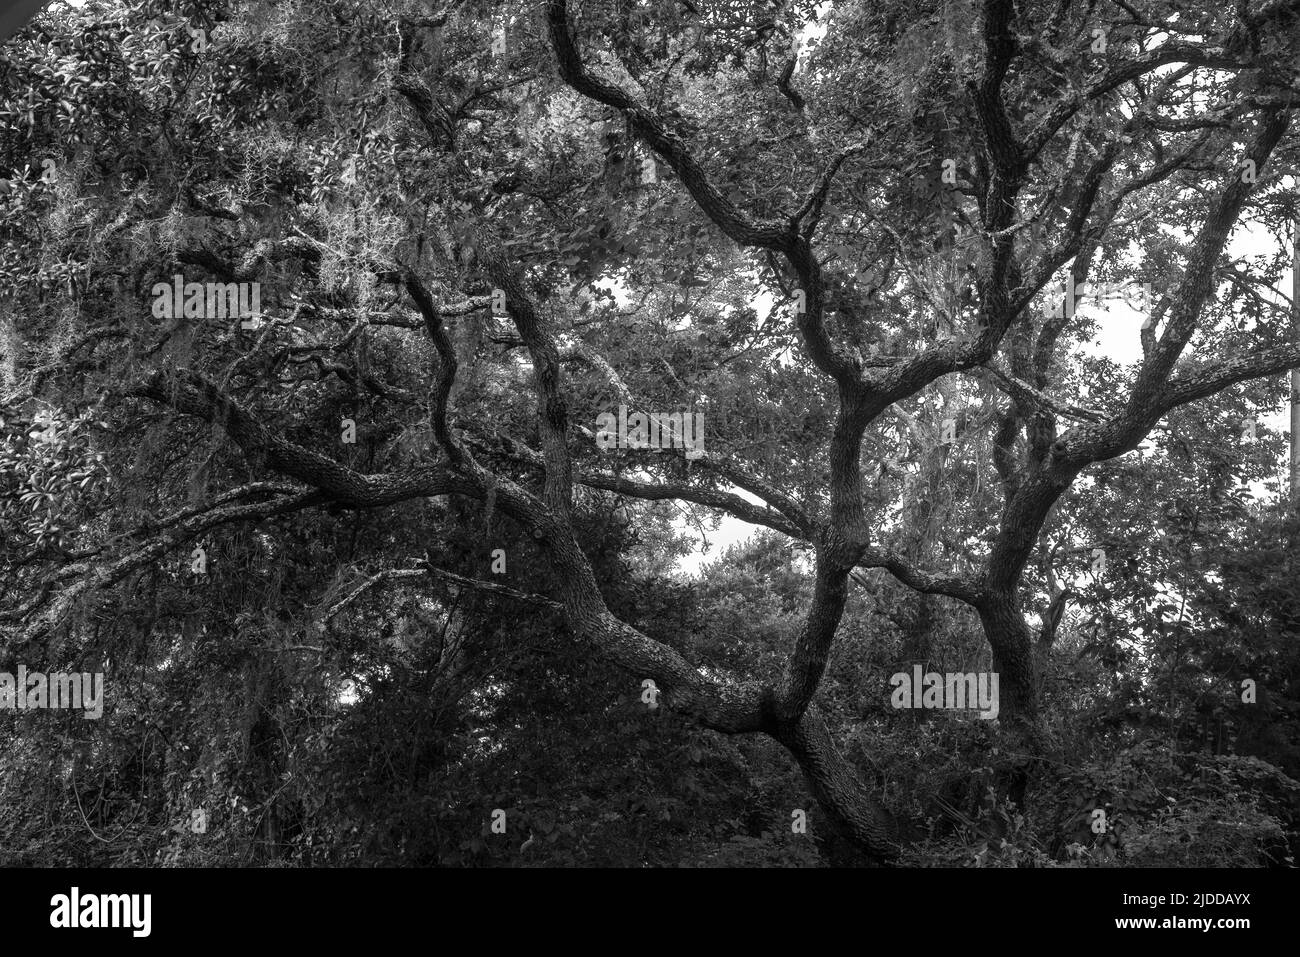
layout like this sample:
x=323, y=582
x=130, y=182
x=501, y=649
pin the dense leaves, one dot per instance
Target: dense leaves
x=321, y=552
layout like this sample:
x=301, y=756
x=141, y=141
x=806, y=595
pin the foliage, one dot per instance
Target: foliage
x=348, y=679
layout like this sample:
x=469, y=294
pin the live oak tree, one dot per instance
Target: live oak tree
x=837, y=231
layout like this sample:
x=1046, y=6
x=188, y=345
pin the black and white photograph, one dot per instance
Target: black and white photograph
x=651, y=434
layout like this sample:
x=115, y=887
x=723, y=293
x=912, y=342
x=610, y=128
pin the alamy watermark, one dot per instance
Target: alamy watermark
x=952, y=691
x=75, y=909
x=1138, y=296
x=207, y=300
x=32, y=690
x=651, y=430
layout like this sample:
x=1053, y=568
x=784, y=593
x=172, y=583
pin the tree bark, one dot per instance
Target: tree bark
x=1013, y=659
x=852, y=806
x=1295, y=373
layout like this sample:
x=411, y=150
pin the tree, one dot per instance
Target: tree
x=476, y=229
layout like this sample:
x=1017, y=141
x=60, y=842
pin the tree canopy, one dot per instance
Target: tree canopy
x=315, y=316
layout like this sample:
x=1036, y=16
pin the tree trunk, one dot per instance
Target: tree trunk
x=850, y=803
x=1295, y=373
x=1013, y=660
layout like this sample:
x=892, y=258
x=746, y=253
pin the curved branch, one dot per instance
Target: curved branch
x=444, y=373
x=423, y=572
x=97, y=577
x=192, y=394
